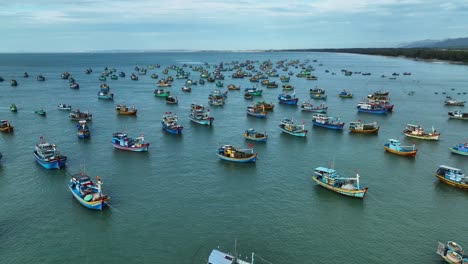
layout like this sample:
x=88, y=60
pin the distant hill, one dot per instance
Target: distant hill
x=430, y=43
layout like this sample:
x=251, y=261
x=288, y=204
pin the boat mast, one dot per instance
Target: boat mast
x=252, y=258
x=357, y=180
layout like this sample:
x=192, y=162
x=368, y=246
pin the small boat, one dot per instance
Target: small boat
x=331, y=180
x=218, y=257
x=288, y=87
x=83, y=129
x=14, y=82
x=382, y=93
x=40, y=111
x=125, y=110
x=105, y=95
x=102, y=78
x=121, y=141
x=25, y=75
x=460, y=149
x=86, y=192
x=88, y=71
x=393, y=146
x=345, y=94
x=366, y=107
x=248, y=96
x=452, y=176
x=40, y=78
x=219, y=84
x=114, y=77
x=133, y=77
x=164, y=83
x=13, y=108
x=191, y=82
x=154, y=76
x=307, y=106
x=364, y=128
x=5, y=126
x=253, y=91
x=256, y=112
x=233, y=87
x=172, y=100
x=272, y=85
x=452, y=253
x=65, y=75
x=169, y=123
x=216, y=100
x=288, y=126
x=230, y=153
x=48, y=156
x=252, y=134
x=186, y=88
x=217, y=92
x=325, y=121
x=77, y=115
x=458, y=115
x=200, y=116
x=161, y=93
x=122, y=74
x=288, y=99
x=64, y=107
x=317, y=93
x=74, y=86
x=452, y=102
x=265, y=106
x=416, y=131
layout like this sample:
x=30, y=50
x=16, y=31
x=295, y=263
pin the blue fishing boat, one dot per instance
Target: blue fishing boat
x=393, y=146
x=325, y=121
x=345, y=94
x=288, y=99
x=452, y=176
x=48, y=156
x=122, y=74
x=254, y=135
x=460, y=149
x=452, y=253
x=86, y=192
x=74, y=86
x=83, y=129
x=287, y=126
x=331, y=180
x=230, y=153
x=122, y=141
x=256, y=112
x=169, y=123
x=366, y=107
x=199, y=115
x=64, y=107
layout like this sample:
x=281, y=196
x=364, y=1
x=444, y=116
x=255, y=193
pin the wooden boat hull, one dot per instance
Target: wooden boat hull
x=449, y=182
x=345, y=95
x=7, y=129
x=352, y=193
x=134, y=112
x=239, y=160
x=365, y=131
x=53, y=164
x=95, y=205
x=143, y=147
x=297, y=134
x=411, y=153
x=427, y=137
x=456, y=151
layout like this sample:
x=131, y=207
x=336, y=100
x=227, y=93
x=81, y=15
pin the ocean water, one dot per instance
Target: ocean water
x=177, y=202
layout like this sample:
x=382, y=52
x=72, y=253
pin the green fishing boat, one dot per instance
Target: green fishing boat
x=13, y=108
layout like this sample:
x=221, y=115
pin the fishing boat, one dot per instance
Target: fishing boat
x=88, y=71
x=380, y=104
x=133, y=77
x=48, y=156
x=452, y=102
x=460, y=149
x=186, y=88
x=164, y=83
x=233, y=87
x=40, y=111
x=125, y=110
x=161, y=93
x=452, y=176
x=86, y=192
x=230, y=153
x=5, y=126
x=393, y=146
x=114, y=77
x=308, y=107
x=218, y=257
x=325, y=121
x=169, y=123
x=199, y=115
x=172, y=100
x=287, y=126
x=452, y=253
x=254, y=91
x=364, y=128
x=83, y=129
x=331, y=180
x=317, y=93
x=25, y=75
x=65, y=75
x=288, y=87
x=74, y=86
x=122, y=74
x=13, y=108
x=122, y=141
x=255, y=111
x=77, y=115
x=248, y=96
x=216, y=100
x=102, y=78
x=219, y=84
x=40, y=78
x=64, y=107
x=217, y=93
x=288, y=99
x=458, y=115
x=265, y=106
x=345, y=94
x=416, y=131
x=381, y=92
x=254, y=135
x=366, y=107
x=105, y=95
x=14, y=82
x=272, y=85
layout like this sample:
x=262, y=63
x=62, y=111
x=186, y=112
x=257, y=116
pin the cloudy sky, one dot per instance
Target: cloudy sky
x=92, y=25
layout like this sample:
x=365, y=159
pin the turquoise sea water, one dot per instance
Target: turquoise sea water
x=177, y=202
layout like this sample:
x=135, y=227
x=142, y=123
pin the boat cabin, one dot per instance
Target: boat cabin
x=452, y=174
